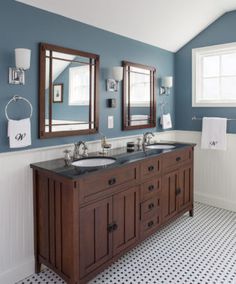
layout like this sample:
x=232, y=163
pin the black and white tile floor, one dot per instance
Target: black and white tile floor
x=190, y=250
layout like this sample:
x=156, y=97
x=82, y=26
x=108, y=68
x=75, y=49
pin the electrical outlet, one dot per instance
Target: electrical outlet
x=110, y=121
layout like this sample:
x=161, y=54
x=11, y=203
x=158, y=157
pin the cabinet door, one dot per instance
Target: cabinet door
x=185, y=187
x=169, y=195
x=95, y=236
x=125, y=216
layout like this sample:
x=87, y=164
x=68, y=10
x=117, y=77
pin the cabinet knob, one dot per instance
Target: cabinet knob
x=150, y=224
x=150, y=168
x=115, y=227
x=111, y=181
x=178, y=159
x=178, y=191
x=151, y=205
x=110, y=228
x=151, y=187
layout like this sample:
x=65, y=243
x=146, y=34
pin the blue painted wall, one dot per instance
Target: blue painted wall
x=25, y=26
x=221, y=31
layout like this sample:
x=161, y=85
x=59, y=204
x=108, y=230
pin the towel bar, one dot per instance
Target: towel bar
x=199, y=118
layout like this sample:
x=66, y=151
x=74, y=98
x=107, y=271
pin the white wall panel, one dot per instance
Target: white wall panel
x=215, y=171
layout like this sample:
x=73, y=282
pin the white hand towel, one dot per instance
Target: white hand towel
x=214, y=133
x=166, y=121
x=19, y=133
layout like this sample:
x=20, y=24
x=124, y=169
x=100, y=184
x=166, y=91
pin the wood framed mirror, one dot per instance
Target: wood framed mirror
x=139, y=96
x=68, y=92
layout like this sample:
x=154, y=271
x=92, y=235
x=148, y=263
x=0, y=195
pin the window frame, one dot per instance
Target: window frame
x=197, y=55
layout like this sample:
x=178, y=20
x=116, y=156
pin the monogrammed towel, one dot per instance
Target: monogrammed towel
x=19, y=133
x=214, y=133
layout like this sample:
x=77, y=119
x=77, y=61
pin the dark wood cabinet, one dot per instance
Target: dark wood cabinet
x=95, y=237
x=109, y=226
x=125, y=216
x=177, y=185
x=82, y=225
x=170, y=188
x=185, y=197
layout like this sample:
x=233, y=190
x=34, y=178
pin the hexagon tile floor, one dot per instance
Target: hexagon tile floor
x=199, y=250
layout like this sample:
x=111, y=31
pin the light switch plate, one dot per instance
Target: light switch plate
x=110, y=121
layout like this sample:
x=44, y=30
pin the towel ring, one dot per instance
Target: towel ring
x=15, y=99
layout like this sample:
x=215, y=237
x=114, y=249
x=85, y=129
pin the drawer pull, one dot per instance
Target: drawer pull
x=150, y=206
x=151, y=187
x=112, y=181
x=150, y=168
x=178, y=159
x=150, y=224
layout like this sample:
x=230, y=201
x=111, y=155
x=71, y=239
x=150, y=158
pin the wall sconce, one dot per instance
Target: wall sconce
x=22, y=59
x=116, y=77
x=166, y=85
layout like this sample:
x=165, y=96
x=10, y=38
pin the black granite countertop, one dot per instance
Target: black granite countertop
x=58, y=166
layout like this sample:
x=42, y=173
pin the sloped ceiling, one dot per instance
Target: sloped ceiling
x=168, y=24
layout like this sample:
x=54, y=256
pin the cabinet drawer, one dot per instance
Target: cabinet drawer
x=105, y=181
x=174, y=159
x=150, y=167
x=150, y=188
x=149, y=226
x=150, y=207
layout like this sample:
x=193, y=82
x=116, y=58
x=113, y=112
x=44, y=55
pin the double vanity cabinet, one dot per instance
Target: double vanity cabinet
x=85, y=219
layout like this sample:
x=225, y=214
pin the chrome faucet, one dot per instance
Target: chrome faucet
x=76, y=153
x=147, y=136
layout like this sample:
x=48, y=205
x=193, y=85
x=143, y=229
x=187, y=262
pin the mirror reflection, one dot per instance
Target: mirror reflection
x=69, y=91
x=139, y=101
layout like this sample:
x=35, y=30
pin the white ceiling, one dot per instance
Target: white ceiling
x=168, y=24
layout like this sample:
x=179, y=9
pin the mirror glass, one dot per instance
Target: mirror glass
x=68, y=91
x=139, y=102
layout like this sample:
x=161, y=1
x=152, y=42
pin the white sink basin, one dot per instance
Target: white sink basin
x=94, y=162
x=160, y=146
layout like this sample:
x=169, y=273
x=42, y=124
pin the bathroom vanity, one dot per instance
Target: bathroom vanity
x=86, y=218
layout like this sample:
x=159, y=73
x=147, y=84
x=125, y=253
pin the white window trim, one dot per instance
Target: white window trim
x=197, y=53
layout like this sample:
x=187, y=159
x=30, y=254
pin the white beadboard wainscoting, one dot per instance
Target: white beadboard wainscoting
x=16, y=204
x=214, y=184
x=214, y=171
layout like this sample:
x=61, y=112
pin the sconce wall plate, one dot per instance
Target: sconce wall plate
x=112, y=85
x=166, y=85
x=16, y=76
x=164, y=91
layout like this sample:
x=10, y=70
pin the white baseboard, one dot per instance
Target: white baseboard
x=215, y=201
x=21, y=271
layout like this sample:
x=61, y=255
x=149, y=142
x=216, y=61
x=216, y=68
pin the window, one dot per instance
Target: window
x=79, y=85
x=214, y=76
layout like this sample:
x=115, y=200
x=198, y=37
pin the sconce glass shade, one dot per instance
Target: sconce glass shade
x=167, y=82
x=117, y=73
x=22, y=57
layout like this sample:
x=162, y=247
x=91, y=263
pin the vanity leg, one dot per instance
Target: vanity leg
x=37, y=266
x=191, y=212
